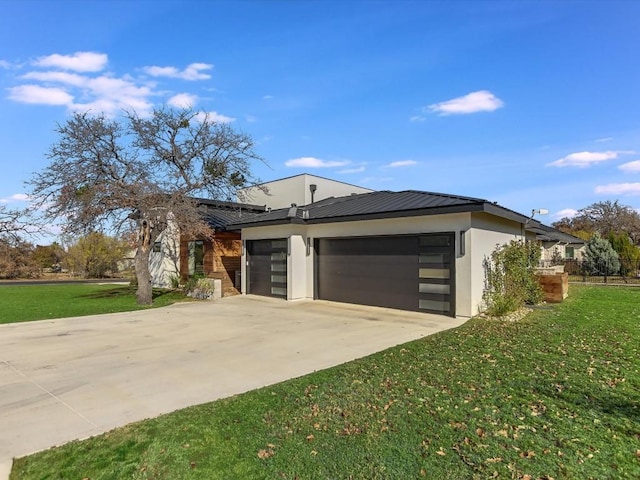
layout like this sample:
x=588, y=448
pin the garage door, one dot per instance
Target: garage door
x=404, y=272
x=267, y=268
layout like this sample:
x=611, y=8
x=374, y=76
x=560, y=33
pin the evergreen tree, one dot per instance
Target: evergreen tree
x=628, y=253
x=600, y=258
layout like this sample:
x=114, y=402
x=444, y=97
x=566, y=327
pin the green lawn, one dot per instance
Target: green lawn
x=555, y=395
x=39, y=302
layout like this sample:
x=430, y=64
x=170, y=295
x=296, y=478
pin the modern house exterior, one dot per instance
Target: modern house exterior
x=410, y=250
x=175, y=256
x=308, y=237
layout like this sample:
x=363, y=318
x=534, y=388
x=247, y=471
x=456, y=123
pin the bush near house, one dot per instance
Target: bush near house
x=510, y=280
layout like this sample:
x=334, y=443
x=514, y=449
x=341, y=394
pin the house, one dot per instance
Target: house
x=556, y=246
x=411, y=250
x=300, y=189
x=175, y=256
x=309, y=237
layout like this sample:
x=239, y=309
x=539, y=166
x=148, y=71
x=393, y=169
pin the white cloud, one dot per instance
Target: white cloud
x=311, y=162
x=630, y=167
x=567, y=212
x=584, y=159
x=5, y=64
x=619, y=189
x=480, y=101
x=192, y=72
x=183, y=100
x=213, y=117
x=417, y=118
x=35, y=94
x=353, y=170
x=71, y=81
x=103, y=93
x=16, y=197
x=78, y=62
x=250, y=118
x=603, y=140
x=401, y=163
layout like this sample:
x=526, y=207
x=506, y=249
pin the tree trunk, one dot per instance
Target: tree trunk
x=144, y=294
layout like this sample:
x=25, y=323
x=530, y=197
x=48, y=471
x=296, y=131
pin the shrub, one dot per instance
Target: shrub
x=174, y=280
x=16, y=259
x=600, y=258
x=199, y=287
x=628, y=253
x=510, y=280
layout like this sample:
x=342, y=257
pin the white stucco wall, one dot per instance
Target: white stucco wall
x=165, y=264
x=486, y=233
x=282, y=193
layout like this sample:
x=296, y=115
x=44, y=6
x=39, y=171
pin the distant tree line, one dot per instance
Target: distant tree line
x=612, y=232
x=94, y=255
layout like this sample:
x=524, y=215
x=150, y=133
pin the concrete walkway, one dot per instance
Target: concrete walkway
x=72, y=378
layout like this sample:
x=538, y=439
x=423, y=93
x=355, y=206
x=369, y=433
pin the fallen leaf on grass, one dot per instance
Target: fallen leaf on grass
x=441, y=452
x=264, y=454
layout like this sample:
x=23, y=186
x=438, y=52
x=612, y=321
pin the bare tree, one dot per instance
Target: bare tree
x=603, y=217
x=141, y=173
x=12, y=223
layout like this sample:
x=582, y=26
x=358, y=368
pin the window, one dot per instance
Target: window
x=157, y=247
x=569, y=253
x=196, y=258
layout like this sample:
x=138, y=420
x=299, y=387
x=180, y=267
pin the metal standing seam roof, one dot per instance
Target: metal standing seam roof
x=221, y=215
x=550, y=234
x=380, y=204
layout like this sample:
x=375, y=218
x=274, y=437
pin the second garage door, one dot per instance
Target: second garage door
x=407, y=272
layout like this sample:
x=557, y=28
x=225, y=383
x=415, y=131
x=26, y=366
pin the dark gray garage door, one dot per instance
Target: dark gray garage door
x=412, y=272
x=267, y=267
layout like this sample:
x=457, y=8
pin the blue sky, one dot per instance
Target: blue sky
x=530, y=104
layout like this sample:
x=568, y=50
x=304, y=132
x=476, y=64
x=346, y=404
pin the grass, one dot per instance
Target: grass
x=39, y=302
x=555, y=395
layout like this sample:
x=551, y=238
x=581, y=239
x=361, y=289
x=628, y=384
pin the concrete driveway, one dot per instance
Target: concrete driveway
x=72, y=378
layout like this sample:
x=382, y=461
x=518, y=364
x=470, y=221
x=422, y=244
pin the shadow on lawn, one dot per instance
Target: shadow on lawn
x=125, y=291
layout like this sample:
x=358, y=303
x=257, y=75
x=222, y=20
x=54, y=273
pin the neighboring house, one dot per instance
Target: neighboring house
x=556, y=244
x=408, y=250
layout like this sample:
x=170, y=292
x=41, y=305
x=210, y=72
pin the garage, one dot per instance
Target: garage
x=407, y=272
x=267, y=267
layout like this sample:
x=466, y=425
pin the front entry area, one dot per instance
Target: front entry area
x=406, y=272
x=267, y=267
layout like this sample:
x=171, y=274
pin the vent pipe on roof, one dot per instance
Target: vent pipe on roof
x=312, y=188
